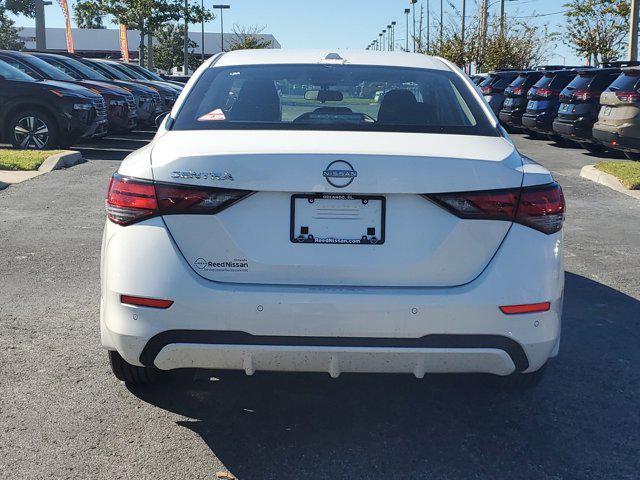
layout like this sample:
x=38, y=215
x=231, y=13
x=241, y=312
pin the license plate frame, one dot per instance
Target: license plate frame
x=309, y=238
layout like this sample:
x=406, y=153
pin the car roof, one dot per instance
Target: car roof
x=348, y=57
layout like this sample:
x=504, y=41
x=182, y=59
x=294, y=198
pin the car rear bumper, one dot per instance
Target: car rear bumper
x=578, y=130
x=612, y=138
x=329, y=329
x=541, y=122
x=512, y=118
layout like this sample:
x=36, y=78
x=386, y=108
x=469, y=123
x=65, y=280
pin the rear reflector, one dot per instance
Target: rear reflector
x=145, y=302
x=528, y=308
x=541, y=207
x=131, y=200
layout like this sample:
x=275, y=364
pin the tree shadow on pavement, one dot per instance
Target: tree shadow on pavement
x=582, y=421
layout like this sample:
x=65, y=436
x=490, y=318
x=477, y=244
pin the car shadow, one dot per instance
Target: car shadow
x=582, y=421
x=114, y=146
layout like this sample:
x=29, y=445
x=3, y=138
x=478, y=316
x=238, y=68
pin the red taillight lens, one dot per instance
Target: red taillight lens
x=585, y=95
x=540, y=207
x=629, y=97
x=145, y=302
x=130, y=200
x=528, y=308
x=546, y=92
x=486, y=90
x=517, y=91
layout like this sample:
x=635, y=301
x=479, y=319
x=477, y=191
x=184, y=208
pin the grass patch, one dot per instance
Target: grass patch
x=627, y=172
x=13, y=159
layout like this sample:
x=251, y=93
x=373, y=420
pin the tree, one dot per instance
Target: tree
x=148, y=16
x=87, y=14
x=20, y=7
x=9, y=39
x=521, y=46
x=248, y=38
x=597, y=29
x=168, y=53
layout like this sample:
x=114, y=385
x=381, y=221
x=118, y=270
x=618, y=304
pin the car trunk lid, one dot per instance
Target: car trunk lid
x=256, y=239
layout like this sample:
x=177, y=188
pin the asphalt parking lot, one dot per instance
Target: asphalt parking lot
x=63, y=415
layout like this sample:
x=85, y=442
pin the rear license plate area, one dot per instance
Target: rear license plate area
x=338, y=219
x=606, y=110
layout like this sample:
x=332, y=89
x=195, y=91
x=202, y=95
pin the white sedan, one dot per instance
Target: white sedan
x=282, y=219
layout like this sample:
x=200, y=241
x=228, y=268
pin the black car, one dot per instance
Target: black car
x=493, y=87
x=149, y=75
x=75, y=66
x=580, y=104
x=40, y=70
x=168, y=92
x=515, y=101
x=44, y=114
x=542, y=107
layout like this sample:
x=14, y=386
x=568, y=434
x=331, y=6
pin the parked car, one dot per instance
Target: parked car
x=40, y=70
x=168, y=92
x=543, y=102
x=618, y=124
x=478, y=78
x=114, y=74
x=147, y=99
x=580, y=104
x=515, y=101
x=45, y=114
x=226, y=245
x=150, y=75
x=493, y=87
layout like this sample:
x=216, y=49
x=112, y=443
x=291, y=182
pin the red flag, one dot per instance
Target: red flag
x=124, y=43
x=65, y=10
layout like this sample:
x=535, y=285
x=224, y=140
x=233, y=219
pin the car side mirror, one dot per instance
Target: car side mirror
x=160, y=118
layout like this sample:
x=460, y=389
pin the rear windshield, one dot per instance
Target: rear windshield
x=545, y=81
x=333, y=97
x=499, y=80
x=626, y=82
x=581, y=82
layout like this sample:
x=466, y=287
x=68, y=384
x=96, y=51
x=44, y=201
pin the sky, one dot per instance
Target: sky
x=351, y=24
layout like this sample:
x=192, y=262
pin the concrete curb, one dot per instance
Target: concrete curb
x=65, y=159
x=590, y=172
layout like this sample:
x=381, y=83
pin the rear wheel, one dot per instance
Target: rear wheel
x=522, y=381
x=32, y=129
x=632, y=155
x=131, y=374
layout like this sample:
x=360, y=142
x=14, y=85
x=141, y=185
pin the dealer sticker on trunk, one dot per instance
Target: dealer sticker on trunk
x=234, y=265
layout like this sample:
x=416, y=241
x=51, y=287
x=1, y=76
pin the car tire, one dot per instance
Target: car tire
x=23, y=128
x=632, y=155
x=131, y=374
x=522, y=381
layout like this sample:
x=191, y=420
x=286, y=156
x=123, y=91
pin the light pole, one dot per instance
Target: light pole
x=202, y=33
x=221, y=7
x=428, y=27
x=389, y=37
x=393, y=36
x=41, y=38
x=633, y=31
x=406, y=16
x=380, y=42
x=186, y=37
x=464, y=13
x=441, y=20
x=384, y=40
x=413, y=8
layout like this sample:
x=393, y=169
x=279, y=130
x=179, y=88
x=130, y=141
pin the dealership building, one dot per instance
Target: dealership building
x=105, y=43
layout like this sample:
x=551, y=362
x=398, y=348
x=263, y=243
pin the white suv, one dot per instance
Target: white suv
x=289, y=216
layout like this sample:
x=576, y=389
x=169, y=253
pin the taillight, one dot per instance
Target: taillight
x=486, y=90
x=629, y=97
x=546, y=92
x=131, y=200
x=585, y=95
x=517, y=90
x=541, y=207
